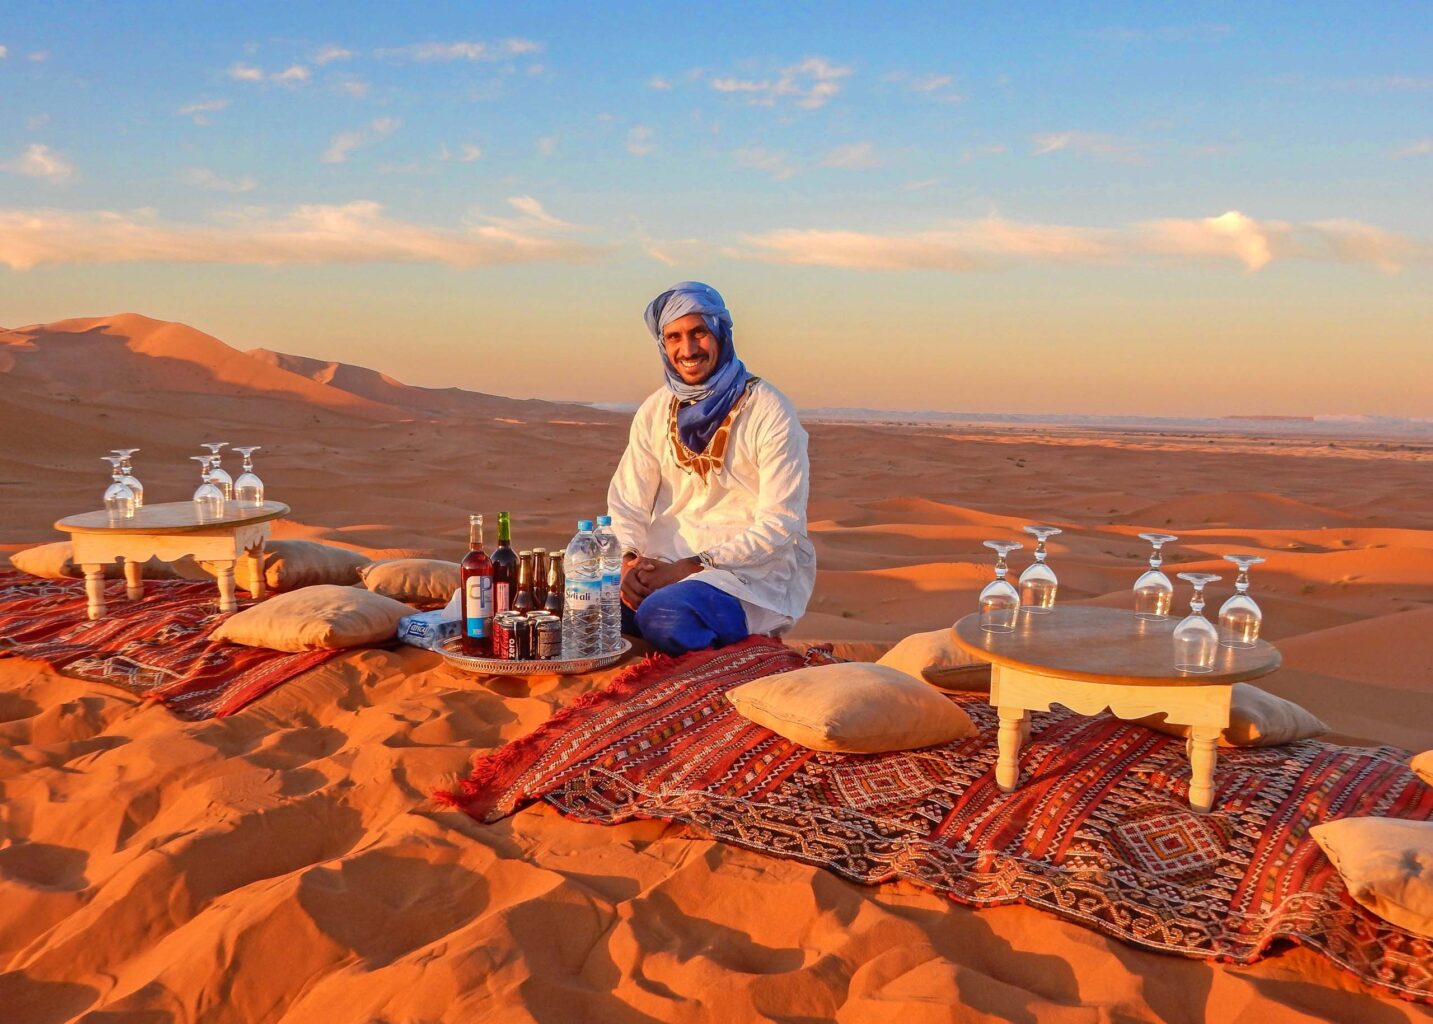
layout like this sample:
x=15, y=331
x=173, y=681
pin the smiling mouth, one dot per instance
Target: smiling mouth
x=692, y=363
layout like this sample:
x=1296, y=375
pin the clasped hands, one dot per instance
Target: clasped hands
x=642, y=575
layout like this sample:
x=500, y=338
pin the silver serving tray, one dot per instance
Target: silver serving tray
x=452, y=652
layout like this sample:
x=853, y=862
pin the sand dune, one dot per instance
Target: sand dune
x=286, y=864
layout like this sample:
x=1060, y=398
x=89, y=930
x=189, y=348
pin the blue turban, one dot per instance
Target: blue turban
x=705, y=405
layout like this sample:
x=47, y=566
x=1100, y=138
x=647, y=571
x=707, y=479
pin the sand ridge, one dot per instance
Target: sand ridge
x=287, y=864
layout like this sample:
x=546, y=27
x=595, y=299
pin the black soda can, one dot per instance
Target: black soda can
x=546, y=636
x=506, y=645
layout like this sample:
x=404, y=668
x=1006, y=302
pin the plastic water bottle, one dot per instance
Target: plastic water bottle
x=582, y=600
x=610, y=548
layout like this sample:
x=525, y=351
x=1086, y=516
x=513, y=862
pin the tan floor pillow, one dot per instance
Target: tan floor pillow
x=55, y=561
x=853, y=707
x=291, y=564
x=935, y=658
x=1256, y=719
x=321, y=617
x=412, y=580
x=1422, y=765
x=1387, y=864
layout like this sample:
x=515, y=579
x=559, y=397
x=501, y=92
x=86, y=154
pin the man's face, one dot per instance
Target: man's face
x=691, y=348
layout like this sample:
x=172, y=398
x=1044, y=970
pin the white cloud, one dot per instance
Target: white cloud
x=199, y=110
x=853, y=157
x=292, y=74
x=659, y=83
x=203, y=177
x=995, y=242
x=639, y=140
x=1106, y=147
x=756, y=158
x=344, y=143
x=938, y=87
x=39, y=56
x=245, y=73
x=4, y=52
x=547, y=145
x=1420, y=148
x=357, y=232
x=330, y=53
x=354, y=87
x=460, y=50
x=468, y=152
x=40, y=161
x=517, y=47
x=810, y=84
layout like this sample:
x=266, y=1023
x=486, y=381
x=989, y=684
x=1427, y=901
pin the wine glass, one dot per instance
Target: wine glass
x=118, y=498
x=1000, y=601
x=1239, y=617
x=208, y=498
x=1153, y=592
x=1196, y=641
x=127, y=474
x=249, y=489
x=217, y=475
x=1038, y=582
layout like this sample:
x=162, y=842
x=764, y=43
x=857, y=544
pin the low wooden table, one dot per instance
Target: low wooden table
x=170, y=531
x=1092, y=659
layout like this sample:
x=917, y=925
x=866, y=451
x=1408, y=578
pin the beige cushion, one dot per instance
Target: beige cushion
x=56, y=562
x=321, y=617
x=1256, y=719
x=1422, y=765
x=935, y=658
x=291, y=564
x=414, y=580
x=852, y=707
x=1387, y=864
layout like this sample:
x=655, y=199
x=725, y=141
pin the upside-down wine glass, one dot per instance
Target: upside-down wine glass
x=118, y=498
x=127, y=473
x=208, y=498
x=1239, y=617
x=1000, y=601
x=1196, y=641
x=1038, y=582
x=1152, y=591
x=249, y=489
x=217, y=474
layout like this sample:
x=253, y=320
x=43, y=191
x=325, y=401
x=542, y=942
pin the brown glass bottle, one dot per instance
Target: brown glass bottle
x=523, y=601
x=476, y=571
x=556, y=583
x=539, y=576
x=504, y=567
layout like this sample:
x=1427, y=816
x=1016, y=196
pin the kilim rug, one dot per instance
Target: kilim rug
x=157, y=648
x=1098, y=831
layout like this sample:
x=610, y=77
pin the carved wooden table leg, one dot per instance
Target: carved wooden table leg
x=1025, y=729
x=227, y=601
x=94, y=589
x=1203, y=751
x=256, y=571
x=133, y=580
x=1007, y=768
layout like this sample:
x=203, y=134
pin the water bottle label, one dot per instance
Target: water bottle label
x=584, y=593
x=480, y=606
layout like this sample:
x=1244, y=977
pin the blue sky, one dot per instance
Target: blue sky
x=1039, y=208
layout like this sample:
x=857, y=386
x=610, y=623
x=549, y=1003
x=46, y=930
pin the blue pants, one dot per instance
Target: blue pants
x=687, y=616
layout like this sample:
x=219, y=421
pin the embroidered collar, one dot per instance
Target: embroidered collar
x=705, y=463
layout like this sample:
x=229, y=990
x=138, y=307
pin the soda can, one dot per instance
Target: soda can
x=506, y=645
x=546, y=636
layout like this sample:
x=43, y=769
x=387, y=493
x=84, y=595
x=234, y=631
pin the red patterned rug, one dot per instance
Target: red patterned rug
x=1099, y=830
x=157, y=648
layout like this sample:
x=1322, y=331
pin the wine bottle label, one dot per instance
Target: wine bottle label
x=480, y=606
x=502, y=597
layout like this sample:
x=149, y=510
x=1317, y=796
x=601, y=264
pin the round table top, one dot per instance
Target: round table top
x=1106, y=645
x=171, y=517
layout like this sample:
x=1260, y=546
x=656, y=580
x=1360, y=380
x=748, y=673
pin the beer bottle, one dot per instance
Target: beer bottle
x=539, y=576
x=504, y=566
x=476, y=571
x=523, y=602
x=556, y=583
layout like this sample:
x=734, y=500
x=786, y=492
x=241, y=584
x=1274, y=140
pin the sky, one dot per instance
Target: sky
x=1041, y=208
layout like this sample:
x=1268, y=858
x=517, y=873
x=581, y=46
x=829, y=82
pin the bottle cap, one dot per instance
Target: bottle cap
x=604, y=520
x=584, y=525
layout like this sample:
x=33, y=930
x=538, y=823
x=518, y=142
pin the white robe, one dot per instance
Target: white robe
x=750, y=518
